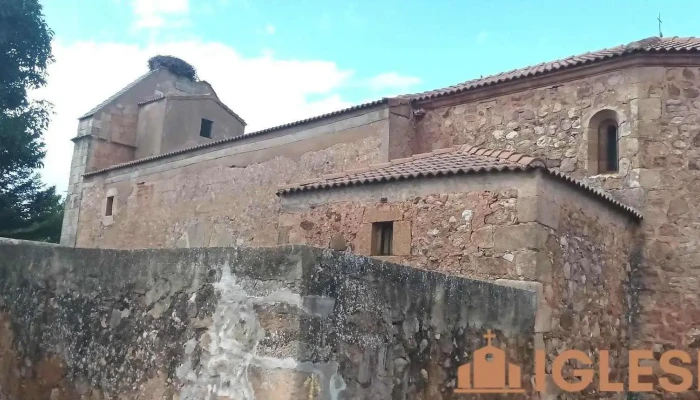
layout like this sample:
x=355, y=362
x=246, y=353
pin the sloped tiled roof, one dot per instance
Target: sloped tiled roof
x=239, y=137
x=648, y=45
x=119, y=93
x=457, y=160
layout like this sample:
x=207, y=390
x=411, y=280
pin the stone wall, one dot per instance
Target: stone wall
x=547, y=122
x=182, y=122
x=670, y=147
x=223, y=196
x=524, y=230
x=589, y=253
x=481, y=233
x=659, y=172
x=108, y=137
x=550, y=122
x=242, y=323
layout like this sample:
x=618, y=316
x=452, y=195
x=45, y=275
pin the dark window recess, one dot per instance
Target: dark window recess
x=205, y=128
x=382, y=235
x=607, y=147
x=611, y=150
x=110, y=205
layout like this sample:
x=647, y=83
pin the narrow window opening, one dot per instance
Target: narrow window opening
x=382, y=235
x=110, y=205
x=205, y=128
x=612, y=148
x=607, y=147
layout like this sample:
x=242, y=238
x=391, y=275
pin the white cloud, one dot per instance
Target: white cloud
x=392, y=80
x=264, y=90
x=160, y=13
x=270, y=29
x=482, y=36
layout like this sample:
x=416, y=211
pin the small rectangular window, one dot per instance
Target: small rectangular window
x=205, y=128
x=382, y=236
x=110, y=205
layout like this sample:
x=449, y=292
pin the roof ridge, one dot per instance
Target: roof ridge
x=500, y=155
x=390, y=163
x=651, y=44
x=276, y=128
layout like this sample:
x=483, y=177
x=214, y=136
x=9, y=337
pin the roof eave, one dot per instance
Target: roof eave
x=680, y=57
x=321, y=117
x=295, y=190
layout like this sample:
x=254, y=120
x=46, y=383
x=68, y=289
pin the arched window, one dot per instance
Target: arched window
x=603, y=154
x=607, y=146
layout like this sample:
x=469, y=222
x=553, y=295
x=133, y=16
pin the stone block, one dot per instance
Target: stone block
x=279, y=318
x=483, y=237
x=401, y=240
x=543, y=315
x=535, y=265
x=649, y=109
x=526, y=209
x=383, y=213
x=628, y=147
x=531, y=235
x=650, y=178
x=548, y=212
x=283, y=384
x=551, y=391
x=363, y=240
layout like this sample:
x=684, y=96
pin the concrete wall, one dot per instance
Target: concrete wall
x=183, y=118
x=280, y=323
x=225, y=194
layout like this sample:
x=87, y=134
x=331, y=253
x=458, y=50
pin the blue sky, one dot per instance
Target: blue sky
x=301, y=58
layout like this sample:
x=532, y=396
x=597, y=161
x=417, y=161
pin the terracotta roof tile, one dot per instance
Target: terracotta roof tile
x=648, y=45
x=446, y=161
x=239, y=137
x=458, y=160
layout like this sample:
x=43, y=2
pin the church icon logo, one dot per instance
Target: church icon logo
x=488, y=372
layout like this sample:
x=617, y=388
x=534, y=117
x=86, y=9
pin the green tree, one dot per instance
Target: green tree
x=28, y=209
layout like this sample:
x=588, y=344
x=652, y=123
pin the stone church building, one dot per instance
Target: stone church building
x=574, y=178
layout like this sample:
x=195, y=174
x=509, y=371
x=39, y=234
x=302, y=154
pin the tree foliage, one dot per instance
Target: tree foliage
x=28, y=209
x=175, y=65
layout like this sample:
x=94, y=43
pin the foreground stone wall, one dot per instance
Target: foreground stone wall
x=254, y=323
x=523, y=230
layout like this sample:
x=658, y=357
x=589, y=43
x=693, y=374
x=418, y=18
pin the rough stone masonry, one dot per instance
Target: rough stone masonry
x=221, y=192
x=290, y=322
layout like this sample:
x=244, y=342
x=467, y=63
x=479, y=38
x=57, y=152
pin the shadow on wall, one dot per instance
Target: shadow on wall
x=287, y=322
